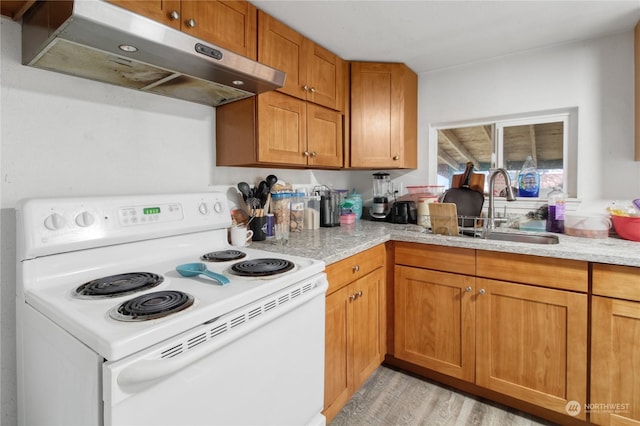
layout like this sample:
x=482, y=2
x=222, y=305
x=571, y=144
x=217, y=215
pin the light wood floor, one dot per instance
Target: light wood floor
x=393, y=398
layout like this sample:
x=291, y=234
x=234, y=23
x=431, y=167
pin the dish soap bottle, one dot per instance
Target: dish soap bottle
x=555, y=216
x=528, y=179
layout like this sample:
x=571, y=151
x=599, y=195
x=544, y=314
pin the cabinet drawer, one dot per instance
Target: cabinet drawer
x=439, y=258
x=542, y=271
x=622, y=282
x=345, y=271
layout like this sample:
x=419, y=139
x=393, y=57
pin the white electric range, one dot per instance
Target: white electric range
x=108, y=326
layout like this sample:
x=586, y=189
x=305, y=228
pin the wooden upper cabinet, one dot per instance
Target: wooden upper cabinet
x=167, y=12
x=277, y=129
x=231, y=25
x=384, y=121
x=313, y=73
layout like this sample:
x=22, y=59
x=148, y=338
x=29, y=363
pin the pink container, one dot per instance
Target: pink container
x=347, y=219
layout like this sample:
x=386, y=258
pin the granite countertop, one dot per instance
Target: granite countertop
x=334, y=244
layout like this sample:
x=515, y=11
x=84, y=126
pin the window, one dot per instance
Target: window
x=506, y=143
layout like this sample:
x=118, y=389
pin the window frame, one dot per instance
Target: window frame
x=569, y=117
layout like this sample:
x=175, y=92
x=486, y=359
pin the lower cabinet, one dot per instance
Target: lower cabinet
x=531, y=344
x=615, y=346
x=435, y=320
x=525, y=341
x=354, y=326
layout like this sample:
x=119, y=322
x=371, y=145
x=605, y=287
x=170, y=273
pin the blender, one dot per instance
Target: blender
x=382, y=189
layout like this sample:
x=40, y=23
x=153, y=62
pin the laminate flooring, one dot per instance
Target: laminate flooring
x=394, y=398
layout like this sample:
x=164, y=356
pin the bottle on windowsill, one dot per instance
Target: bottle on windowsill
x=528, y=179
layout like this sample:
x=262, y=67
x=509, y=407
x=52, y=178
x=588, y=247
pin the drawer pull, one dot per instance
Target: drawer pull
x=356, y=268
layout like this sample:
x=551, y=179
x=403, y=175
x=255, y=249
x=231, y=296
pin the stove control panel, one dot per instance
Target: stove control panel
x=56, y=225
x=141, y=215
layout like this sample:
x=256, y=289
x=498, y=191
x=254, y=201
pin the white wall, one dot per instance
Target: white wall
x=64, y=136
x=596, y=77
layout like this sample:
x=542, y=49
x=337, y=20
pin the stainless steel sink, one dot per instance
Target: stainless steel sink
x=515, y=237
x=524, y=238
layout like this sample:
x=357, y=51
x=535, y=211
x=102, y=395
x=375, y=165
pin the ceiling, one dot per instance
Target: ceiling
x=431, y=35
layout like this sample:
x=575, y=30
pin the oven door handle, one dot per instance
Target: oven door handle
x=143, y=373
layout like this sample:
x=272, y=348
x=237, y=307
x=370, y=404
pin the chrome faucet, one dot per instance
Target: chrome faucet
x=510, y=196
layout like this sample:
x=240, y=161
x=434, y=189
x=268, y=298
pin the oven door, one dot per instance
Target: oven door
x=262, y=364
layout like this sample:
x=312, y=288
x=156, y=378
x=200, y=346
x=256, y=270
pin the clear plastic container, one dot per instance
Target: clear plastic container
x=312, y=212
x=296, y=222
x=280, y=205
x=587, y=225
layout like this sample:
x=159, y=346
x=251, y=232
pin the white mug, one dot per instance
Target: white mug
x=240, y=236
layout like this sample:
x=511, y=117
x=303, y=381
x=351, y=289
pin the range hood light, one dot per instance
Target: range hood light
x=128, y=48
x=238, y=82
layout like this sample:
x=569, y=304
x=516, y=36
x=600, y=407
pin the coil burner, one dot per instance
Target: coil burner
x=118, y=285
x=261, y=267
x=150, y=306
x=223, y=256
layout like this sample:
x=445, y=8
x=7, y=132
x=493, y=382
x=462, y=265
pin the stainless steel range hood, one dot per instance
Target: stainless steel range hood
x=100, y=41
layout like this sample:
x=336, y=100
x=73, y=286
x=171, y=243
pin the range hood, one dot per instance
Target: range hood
x=100, y=41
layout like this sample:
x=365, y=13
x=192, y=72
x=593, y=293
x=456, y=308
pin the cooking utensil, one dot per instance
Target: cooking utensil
x=476, y=180
x=271, y=180
x=443, y=218
x=245, y=190
x=195, y=269
x=468, y=201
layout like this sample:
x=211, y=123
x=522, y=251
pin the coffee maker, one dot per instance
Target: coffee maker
x=382, y=190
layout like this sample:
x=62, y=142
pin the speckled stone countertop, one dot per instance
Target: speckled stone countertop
x=333, y=244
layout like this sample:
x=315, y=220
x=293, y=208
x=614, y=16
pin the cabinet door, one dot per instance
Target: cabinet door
x=367, y=339
x=166, y=12
x=282, y=129
x=615, y=362
x=229, y=24
x=338, y=362
x=435, y=320
x=324, y=76
x=383, y=116
x=532, y=343
x=281, y=47
x=324, y=136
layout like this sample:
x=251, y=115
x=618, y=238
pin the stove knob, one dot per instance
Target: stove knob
x=85, y=219
x=54, y=222
x=217, y=207
x=203, y=208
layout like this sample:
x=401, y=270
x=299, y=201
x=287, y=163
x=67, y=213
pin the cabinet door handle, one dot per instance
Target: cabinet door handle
x=482, y=291
x=312, y=89
x=313, y=153
x=353, y=297
x=305, y=88
x=359, y=293
x=468, y=289
x=356, y=268
x=191, y=23
x=306, y=153
x=174, y=15
x=396, y=157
